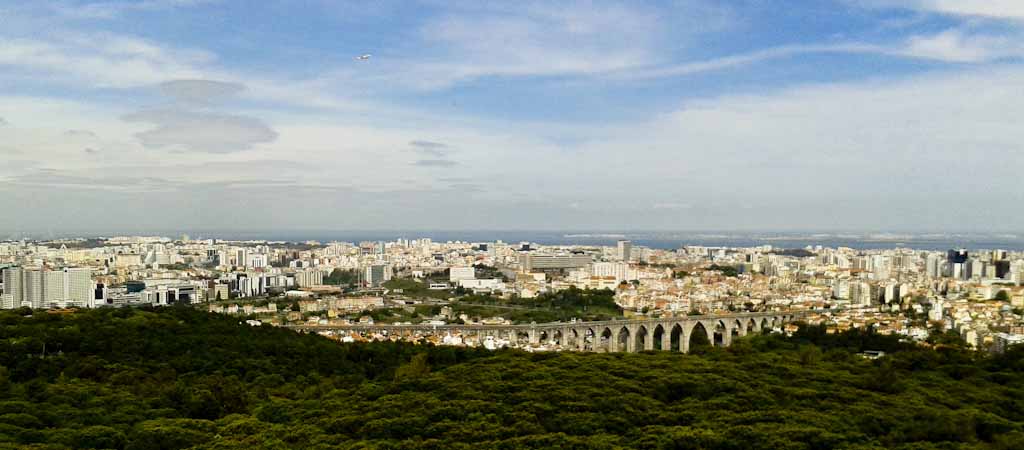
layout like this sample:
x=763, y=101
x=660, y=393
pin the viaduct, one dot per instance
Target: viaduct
x=630, y=335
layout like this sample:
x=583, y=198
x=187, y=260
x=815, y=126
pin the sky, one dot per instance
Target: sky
x=547, y=115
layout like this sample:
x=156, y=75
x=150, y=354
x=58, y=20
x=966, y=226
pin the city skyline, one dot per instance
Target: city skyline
x=690, y=115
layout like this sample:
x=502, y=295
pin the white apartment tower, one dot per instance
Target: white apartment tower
x=625, y=250
x=41, y=288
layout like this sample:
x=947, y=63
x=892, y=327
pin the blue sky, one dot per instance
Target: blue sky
x=688, y=114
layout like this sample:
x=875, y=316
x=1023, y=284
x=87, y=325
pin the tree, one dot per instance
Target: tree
x=416, y=368
x=1002, y=296
x=728, y=271
x=339, y=277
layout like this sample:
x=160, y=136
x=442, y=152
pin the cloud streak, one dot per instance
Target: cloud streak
x=435, y=163
x=201, y=131
x=995, y=9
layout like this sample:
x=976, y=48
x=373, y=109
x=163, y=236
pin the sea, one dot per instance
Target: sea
x=650, y=239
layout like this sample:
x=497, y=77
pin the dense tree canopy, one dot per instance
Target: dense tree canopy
x=559, y=306
x=178, y=378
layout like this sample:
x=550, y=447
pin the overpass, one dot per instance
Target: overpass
x=627, y=335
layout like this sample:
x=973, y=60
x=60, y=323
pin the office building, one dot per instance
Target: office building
x=625, y=250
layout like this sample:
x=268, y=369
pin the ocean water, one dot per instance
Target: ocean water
x=658, y=239
x=651, y=239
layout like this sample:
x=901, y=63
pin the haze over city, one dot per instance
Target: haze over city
x=684, y=115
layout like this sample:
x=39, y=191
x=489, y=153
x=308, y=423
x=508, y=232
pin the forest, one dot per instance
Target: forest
x=177, y=378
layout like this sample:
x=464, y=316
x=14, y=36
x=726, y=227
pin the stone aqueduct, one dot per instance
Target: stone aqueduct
x=632, y=335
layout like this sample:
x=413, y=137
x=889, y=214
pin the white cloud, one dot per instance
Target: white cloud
x=101, y=60
x=960, y=46
x=479, y=40
x=997, y=9
x=111, y=10
x=744, y=59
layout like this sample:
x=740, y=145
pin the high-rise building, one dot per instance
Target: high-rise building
x=611, y=269
x=14, y=293
x=308, y=278
x=932, y=266
x=956, y=256
x=892, y=293
x=625, y=250
x=78, y=287
x=1002, y=267
x=377, y=274
x=53, y=289
x=33, y=288
x=976, y=269
x=43, y=288
x=935, y=313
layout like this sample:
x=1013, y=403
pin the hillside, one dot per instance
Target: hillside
x=179, y=378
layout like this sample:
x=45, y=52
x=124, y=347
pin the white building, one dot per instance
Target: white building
x=456, y=274
x=619, y=270
x=308, y=278
x=377, y=274
x=494, y=284
x=43, y=288
x=1003, y=341
x=625, y=250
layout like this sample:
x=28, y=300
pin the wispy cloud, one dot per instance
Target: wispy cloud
x=957, y=45
x=997, y=9
x=743, y=59
x=435, y=149
x=435, y=163
x=111, y=10
x=102, y=59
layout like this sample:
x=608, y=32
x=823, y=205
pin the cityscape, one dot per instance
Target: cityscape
x=511, y=224
x=491, y=294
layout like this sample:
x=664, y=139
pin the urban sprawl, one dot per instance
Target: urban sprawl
x=355, y=291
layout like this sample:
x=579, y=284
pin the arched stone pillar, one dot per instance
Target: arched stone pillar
x=709, y=327
x=648, y=337
x=666, y=336
x=684, y=339
x=630, y=338
x=657, y=340
x=609, y=341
